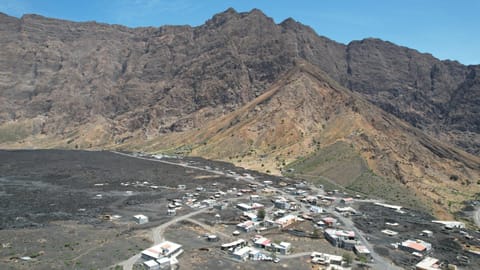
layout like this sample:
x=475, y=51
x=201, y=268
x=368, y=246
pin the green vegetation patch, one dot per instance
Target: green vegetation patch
x=12, y=132
x=379, y=187
x=339, y=166
x=338, y=162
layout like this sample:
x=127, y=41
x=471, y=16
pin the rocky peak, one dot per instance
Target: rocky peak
x=231, y=16
x=292, y=24
x=257, y=13
x=289, y=23
x=223, y=17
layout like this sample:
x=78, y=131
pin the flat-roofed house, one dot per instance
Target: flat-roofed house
x=419, y=246
x=428, y=263
x=165, y=249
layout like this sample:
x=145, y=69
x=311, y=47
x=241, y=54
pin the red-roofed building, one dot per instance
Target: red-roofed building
x=262, y=242
x=419, y=246
x=329, y=221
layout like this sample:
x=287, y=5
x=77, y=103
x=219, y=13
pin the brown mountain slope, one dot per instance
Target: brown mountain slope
x=56, y=77
x=305, y=111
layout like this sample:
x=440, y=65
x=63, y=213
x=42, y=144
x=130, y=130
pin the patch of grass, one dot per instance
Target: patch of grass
x=12, y=132
x=391, y=190
x=338, y=162
x=339, y=166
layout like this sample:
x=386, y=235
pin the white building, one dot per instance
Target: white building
x=254, y=198
x=347, y=209
x=241, y=253
x=244, y=207
x=171, y=212
x=247, y=226
x=251, y=216
x=282, y=248
x=316, y=209
x=397, y=208
x=428, y=263
x=151, y=265
x=234, y=244
x=286, y=220
x=208, y=202
x=326, y=259
x=165, y=249
x=450, y=224
x=427, y=233
x=362, y=250
x=340, y=238
x=164, y=262
x=140, y=219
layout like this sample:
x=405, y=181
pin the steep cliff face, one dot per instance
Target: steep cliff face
x=57, y=75
x=428, y=93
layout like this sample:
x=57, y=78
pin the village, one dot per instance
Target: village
x=274, y=223
x=114, y=210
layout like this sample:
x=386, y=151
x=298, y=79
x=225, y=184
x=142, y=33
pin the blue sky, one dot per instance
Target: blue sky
x=449, y=29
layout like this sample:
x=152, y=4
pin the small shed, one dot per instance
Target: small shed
x=140, y=219
x=427, y=233
x=171, y=212
x=212, y=238
x=254, y=197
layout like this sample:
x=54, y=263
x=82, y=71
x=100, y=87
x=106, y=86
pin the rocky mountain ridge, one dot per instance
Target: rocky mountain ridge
x=157, y=79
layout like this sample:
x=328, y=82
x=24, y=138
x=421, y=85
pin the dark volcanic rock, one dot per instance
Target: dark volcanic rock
x=437, y=96
x=64, y=74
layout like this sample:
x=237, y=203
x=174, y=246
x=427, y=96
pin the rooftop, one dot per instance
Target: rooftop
x=326, y=257
x=329, y=219
x=417, y=245
x=340, y=233
x=285, y=218
x=263, y=241
x=234, y=243
x=151, y=263
x=428, y=263
x=362, y=249
x=247, y=223
x=242, y=251
x=164, y=249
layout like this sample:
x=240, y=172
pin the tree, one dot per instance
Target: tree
x=261, y=214
x=348, y=258
x=362, y=258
